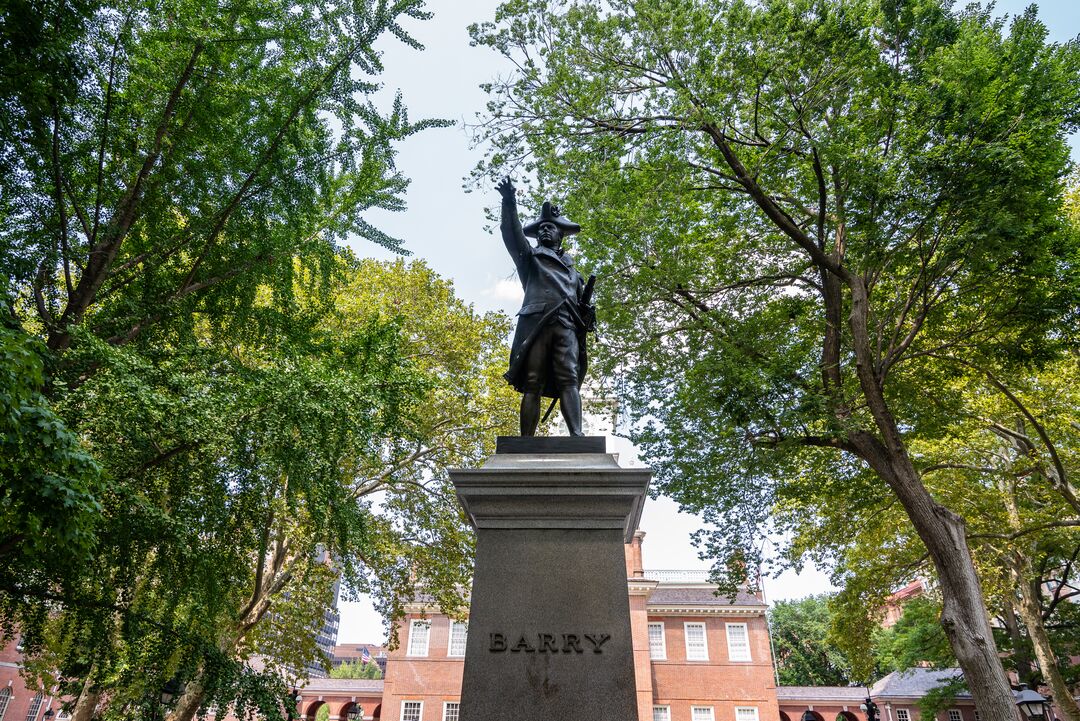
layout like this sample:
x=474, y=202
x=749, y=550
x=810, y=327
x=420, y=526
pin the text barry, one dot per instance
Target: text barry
x=550, y=643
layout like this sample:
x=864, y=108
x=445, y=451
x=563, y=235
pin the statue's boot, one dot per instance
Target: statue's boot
x=570, y=402
x=530, y=413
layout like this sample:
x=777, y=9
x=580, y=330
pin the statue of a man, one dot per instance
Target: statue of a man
x=548, y=356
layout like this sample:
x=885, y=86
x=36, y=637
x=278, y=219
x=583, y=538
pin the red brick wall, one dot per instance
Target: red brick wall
x=718, y=682
x=433, y=679
x=21, y=696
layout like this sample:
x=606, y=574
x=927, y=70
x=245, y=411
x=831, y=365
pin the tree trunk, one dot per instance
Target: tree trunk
x=1031, y=615
x=190, y=701
x=963, y=615
x=87, y=702
x=1020, y=656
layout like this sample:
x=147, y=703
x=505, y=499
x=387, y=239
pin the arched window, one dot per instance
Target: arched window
x=35, y=707
x=5, y=699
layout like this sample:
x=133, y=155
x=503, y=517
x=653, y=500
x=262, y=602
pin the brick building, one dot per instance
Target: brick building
x=897, y=697
x=697, y=657
x=17, y=702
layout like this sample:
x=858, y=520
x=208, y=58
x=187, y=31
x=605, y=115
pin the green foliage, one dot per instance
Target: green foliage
x=802, y=651
x=940, y=698
x=223, y=431
x=820, y=221
x=743, y=172
x=916, y=639
x=356, y=669
x=49, y=484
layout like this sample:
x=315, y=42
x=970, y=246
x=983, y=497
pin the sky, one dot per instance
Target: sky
x=445, y=226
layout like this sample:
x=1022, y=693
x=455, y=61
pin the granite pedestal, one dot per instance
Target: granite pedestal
x=549, y=621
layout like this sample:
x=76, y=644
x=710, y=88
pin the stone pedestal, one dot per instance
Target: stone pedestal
x=549, y=622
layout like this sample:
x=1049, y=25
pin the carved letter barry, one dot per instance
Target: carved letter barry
x=547, y=642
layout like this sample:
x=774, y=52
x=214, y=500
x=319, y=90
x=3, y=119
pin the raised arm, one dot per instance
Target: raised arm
x=513, y=237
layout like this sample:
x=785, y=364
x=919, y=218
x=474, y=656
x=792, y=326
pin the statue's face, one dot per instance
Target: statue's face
x=549, y=235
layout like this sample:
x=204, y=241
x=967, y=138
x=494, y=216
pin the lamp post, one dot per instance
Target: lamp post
x=169, y=691
x=356, y=713
x=1032, y=704
x=294, y=700
x=870, y=709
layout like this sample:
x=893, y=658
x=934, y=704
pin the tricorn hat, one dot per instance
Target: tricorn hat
x=550, y=214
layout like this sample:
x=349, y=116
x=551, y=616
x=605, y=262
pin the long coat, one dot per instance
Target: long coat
x=550, y=282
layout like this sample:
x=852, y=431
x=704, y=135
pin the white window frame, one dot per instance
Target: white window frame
x=658, y=652
x=710, y=717
x=450, y=639
x=902, y=714
x=752, y=716
x=5, y=700
x=955, y=715
x=419, y=712
x=446, y=707
x=704, y=643
x=741, y=657
x=661, y=713
x=414, y=649
x=35, y=708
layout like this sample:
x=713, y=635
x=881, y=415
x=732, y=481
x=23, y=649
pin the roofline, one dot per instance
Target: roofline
x=697, y=610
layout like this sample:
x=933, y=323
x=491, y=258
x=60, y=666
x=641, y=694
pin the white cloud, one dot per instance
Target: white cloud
x=505, y=290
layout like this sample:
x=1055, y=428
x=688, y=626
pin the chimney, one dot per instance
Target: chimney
x=634, y=567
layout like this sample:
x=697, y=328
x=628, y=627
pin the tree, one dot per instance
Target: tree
x=1008, y=462
x=168, y=159
x=176, y=178
x=916, y=639
x=810, y=214
x=265, y=465
x=803, y=653
x=356, y=669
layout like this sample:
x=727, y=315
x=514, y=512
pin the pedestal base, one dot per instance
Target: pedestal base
x=549, y=624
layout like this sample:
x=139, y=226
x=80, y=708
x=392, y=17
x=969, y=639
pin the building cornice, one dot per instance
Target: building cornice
x=641, y=586
x=688, y=610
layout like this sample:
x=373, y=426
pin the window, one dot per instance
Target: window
x=418, y=638
x=458, y=633
x=410, y=710
x=902, y=714
x=738, y=642
x=954, y=715
x=5, y=699
x=35, y=708
x=450, y=711
x=696, y=647
x=657, y=644
x=746, y=713
x=661, y=713
x=701, y=713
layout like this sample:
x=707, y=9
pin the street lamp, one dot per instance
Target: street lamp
x=1032, y=704
x=169, y=691
x=870, y=709
x=356, y=713
x=294, y=700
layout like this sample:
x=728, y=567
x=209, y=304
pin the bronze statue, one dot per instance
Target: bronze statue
x=548, y=357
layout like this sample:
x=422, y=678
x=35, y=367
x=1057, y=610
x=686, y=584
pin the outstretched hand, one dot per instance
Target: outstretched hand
x=506, y=189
